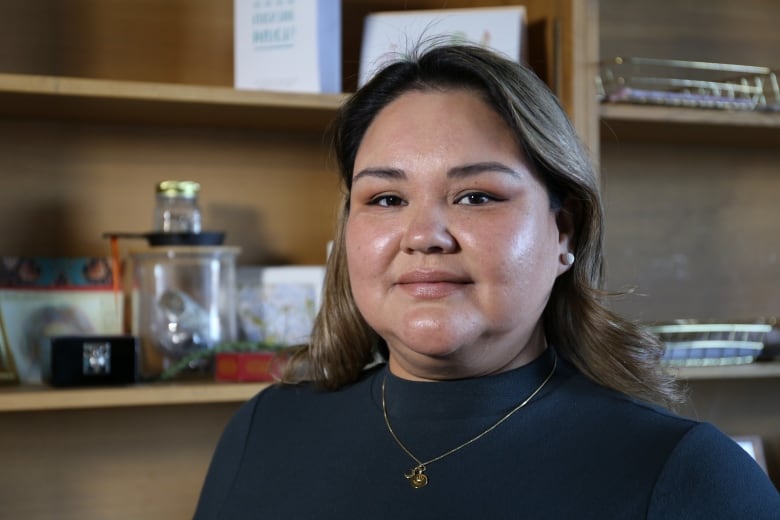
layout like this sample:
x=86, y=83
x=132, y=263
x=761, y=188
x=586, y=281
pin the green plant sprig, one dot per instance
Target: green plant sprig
x=230, y=346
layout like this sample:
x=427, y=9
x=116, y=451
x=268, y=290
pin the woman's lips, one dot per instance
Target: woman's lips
x=431, y=284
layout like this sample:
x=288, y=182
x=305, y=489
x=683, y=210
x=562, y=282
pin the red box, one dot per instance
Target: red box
x=248, y=366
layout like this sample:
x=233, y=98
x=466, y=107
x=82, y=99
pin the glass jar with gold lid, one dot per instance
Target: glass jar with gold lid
x=176, y=209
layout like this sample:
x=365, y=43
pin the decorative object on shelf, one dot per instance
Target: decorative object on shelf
x=694, y=343
x=289, y=45
x=94, y=360
x=177, y=219
x=176, y=209
x=239, y=361
x=44, y=297
x=390, y=33
x=160, y=238
x=278, y=304
x=261, y=366
x=183, y=303
x=688, y=83
x=7, y=368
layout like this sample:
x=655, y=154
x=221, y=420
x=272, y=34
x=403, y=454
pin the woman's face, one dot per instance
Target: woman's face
x=452, y=245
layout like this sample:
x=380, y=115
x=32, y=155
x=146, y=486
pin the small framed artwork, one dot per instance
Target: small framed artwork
x=42, y=297
x=7, y=368
x=277, y=305
x=754, y=445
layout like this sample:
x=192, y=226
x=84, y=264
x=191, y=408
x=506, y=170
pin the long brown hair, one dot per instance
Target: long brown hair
x=604, y=346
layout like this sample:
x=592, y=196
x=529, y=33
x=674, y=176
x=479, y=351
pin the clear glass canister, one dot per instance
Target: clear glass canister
x=176, y=209
x=184, y=305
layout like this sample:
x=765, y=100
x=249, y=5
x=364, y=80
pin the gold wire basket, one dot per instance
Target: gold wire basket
x=688, y=84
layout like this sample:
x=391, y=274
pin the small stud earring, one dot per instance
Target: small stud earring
x=567, y=259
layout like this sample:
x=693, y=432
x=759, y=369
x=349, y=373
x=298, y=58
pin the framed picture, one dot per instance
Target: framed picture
x=7, y=368
x=754, y=445
x=278, y=304
x=32, y=317
x=41, y=297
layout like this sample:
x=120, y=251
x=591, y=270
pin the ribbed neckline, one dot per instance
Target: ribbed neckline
x=462, y=398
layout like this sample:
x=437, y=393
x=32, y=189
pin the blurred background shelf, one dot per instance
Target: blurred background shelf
x=42, y=397
x=682, y=115
x=627, y=122
x=746, y=371
x=27, y=398
x=88, y=99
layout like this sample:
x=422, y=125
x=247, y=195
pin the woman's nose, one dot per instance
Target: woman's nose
x=428, y=231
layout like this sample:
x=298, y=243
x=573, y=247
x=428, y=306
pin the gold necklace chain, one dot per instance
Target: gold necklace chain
x=417, y=477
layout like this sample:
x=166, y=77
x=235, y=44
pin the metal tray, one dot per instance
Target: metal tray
x=688, y=83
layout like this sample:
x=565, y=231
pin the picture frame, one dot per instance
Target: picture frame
x=754, y=446
x=7, y=367
x=31, y=317
x=41, y=297
x=278, y=305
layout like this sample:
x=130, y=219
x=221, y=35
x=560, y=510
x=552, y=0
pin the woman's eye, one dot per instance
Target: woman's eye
x=386, y=201
x=475, y=199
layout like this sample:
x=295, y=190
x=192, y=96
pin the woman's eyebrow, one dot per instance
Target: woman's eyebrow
x=382, y=173
x=471, y=169
x=465, y=170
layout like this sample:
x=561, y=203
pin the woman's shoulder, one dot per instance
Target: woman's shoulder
x=308, y=396
x=708, y=475
x=607, y=416
x=579, y=391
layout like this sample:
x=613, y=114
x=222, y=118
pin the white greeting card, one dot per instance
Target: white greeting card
x=288, y=45
x=279, y=304
x=388, y=35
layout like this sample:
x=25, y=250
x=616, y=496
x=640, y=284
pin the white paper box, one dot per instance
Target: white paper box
x=279, y=304
x=386, y=35
x=288, y=45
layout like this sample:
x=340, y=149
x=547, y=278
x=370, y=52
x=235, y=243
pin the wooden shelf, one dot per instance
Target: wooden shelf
x=53, y=97
x=680, y=115
x=40, y=397
x=747, y=371
x=624, y=122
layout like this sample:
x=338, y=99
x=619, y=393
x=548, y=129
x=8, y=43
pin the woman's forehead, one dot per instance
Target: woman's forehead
x=420, y=125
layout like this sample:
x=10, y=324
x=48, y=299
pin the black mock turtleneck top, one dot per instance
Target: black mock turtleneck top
x=575, y=451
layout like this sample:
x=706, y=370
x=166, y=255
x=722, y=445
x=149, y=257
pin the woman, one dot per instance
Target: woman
x=468, y=256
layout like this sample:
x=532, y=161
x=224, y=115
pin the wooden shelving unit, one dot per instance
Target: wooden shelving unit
x=691, y=200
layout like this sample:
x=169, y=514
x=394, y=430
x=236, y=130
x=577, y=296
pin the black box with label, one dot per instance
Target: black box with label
x=91, y=360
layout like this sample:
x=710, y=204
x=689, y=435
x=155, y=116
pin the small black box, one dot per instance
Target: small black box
x=91, y=360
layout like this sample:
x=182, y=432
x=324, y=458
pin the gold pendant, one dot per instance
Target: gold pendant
x=417, y=478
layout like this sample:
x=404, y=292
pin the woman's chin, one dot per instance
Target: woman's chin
x=434, y=343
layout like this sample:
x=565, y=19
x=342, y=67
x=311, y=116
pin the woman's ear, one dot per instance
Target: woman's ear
x=565, y=220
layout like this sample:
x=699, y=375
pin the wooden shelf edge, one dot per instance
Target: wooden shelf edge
x=621, y=123
x=747, y=371
x=28, y=398
x=45, y=398
x=162, y=92
x=680, y=115
x=55, y=97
